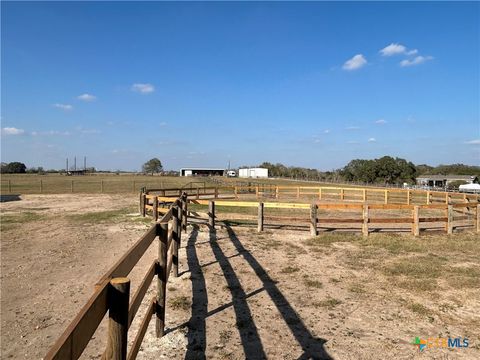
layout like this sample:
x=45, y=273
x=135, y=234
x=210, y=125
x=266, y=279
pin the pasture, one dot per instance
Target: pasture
x=279, y=293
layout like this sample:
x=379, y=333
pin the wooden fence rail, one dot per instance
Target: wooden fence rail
x=112, y=293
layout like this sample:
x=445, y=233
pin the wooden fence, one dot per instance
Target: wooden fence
x=468, y=213
x=112, y=293
x=352, y=194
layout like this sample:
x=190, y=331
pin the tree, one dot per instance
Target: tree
x=152, y=166
x=14, y=168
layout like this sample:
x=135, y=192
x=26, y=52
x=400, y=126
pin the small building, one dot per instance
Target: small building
x=193, y=171
x=253, y=173
x=442, y=181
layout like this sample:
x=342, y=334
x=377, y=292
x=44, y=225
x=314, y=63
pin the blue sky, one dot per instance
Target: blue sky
x=311, y=84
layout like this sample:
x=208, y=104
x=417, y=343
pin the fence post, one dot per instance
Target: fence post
x=365, y=220
x=364, y=194
x=118, y=299
x=144, y=204
x=198, y=193
x=155, y=208
x=41, y=186
x=175, y=237
x=478, y=218
x=216, y=192
x=408, y=197
x=446, y=198
x=184, y=212
x=211, y=213
x=140, y=204
x=298, y=192
x=416, y=221
x=342, y=194
x=162, y=231
x=101, y=186
x=133, y=186
x=313, y=220
x=276, y=192
x=71, y=186
x=235, y=190
x=386, y=196
x=319, y=193
x=256, y=191
x=450, y=219
x=428, y=197
x=260, y=217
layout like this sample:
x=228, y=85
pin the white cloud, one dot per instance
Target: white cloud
x=326, y=131
x=473, y=142
x=355, y=63
x=393, y=49
x=381, y=122
x=352, y=142
x=372, y=140
x=143, y=88
x=415, y=61
x=51, y=133
x=352, y=128
x=66, y=107
x=12, y=131
x=87, y=97
x=397, y=49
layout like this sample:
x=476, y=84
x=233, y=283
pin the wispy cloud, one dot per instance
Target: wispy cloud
x=326, y=131
x=372, y=140
x=352, y=128
x=87, y=97
x=66, y=107
x=50, y=133
x=355, y=63
x=12, y=131
x=381, y=121
x=352, y=142
x=415, y=61
x=143, y=88
x=473, y=142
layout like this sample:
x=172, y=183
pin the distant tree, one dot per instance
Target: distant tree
x=152, y=166
x=14, y=168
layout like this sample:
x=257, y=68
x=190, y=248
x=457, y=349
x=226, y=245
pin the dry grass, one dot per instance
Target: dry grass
x=180, y=303
x=13, y=221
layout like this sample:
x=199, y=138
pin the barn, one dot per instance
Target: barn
x=197, y=171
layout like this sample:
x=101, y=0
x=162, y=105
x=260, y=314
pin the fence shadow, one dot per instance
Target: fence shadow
x=196, y=335
x=312, y=347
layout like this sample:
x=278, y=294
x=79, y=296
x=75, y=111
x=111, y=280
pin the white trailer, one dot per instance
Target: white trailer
x=253, y=173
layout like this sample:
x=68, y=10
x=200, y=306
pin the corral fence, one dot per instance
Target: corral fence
x=112, y=293
x=420, y=211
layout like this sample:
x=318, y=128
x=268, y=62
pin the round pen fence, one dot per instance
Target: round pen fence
x=362, y=210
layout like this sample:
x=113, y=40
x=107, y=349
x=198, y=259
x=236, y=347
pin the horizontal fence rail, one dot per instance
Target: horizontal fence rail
x=112, y=294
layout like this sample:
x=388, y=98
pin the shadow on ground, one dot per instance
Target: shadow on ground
x=312, y=347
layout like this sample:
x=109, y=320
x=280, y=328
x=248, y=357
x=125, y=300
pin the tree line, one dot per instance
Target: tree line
x=386, y=170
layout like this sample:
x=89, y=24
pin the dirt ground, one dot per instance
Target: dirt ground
x=280, y=294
